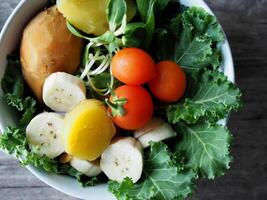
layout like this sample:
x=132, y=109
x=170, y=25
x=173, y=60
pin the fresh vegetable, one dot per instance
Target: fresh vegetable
x=123, y=158
x=90, y=16
x=148, y=11
x=207, y=148
x=62, y=91
x=163, y=178
x=14, y=91
x=46, y=47
x=170, y=82
x=44, y=134
x=86, y=167
x=12, y=82
x=190, y=39
x=155, y=130
x=133, y=66
x=210, y=97
x=87, y=130
x=131, y=107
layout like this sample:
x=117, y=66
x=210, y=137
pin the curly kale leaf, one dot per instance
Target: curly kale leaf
x=13, y=87
x=210, y=96
x=206, y=147
x=190, y=39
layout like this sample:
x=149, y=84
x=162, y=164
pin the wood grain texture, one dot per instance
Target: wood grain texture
x=245, y=23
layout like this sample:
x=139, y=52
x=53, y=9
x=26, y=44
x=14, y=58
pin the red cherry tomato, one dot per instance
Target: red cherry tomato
x=138, y=108
x=133, y=66
x=170, y=83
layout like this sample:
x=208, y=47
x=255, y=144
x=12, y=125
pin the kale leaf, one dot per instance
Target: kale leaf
x=13, y=88
x=190, y=39
x=210, y=96
x=162, y=178
x=206, y=147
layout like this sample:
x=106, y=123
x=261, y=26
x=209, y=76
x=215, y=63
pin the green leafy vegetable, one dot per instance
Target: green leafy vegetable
x=193, y=36
x=148, y=10
x=164, y=44
x=26, y=106
x=145, y=6
x=206, y=147
x=86, y=181
x=162, y=178
x=116, y=13
x=13, y=87
x=210, y=96
x=13, y=80
x=135, y=33
x=28, y=111
x=102, y=80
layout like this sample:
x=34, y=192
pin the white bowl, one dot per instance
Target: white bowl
x=9, y=41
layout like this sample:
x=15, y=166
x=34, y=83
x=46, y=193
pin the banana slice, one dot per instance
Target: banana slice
x=62, y=91
x=44, y=132
x=86, y=167
x=156, y=130
x=123, y=158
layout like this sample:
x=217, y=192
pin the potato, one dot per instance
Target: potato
x=90, y=16
x=47, y=47
x=88, y=130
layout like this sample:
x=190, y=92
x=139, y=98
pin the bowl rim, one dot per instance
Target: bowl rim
x=45, y=177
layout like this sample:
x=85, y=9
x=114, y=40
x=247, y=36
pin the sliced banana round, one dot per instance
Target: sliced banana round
x=156, y=130
x=62, y=91
x=86, y=167
x=123, y=158
x=44, y=134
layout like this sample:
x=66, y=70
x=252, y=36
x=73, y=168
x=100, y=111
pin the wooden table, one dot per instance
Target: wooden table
x=245, y=22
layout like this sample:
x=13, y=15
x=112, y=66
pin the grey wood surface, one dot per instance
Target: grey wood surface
x=245, y=22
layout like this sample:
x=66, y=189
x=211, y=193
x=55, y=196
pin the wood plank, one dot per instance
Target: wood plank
x=17, y=183
x=34, y=193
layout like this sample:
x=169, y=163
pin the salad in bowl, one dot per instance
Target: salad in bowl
x=125, y=95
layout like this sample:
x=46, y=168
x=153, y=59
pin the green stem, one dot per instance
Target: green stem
x=116, y=106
